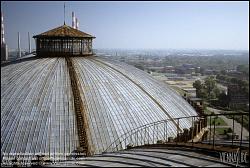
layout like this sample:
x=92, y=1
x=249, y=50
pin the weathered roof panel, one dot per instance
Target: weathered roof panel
x=37, y=112
x=64, y=31
x=37, y=109
x=115, y=103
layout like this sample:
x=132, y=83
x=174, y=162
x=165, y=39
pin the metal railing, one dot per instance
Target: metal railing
x=203, y=129
x=152, y=133
x=234, y=136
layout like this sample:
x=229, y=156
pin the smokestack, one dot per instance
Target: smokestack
x=29, y=42
x=73, y=20
x=77, y=24
x=4, y=47
x=19, y=47
x=2, y=30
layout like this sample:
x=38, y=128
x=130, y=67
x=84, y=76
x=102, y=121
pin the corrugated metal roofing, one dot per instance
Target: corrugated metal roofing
x=37, y=104
x=64, y=31
x=37, y=113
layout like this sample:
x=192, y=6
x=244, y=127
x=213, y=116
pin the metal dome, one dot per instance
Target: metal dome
x=38, y=113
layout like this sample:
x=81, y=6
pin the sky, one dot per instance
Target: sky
x=135, y=25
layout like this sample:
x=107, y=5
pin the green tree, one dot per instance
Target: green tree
x=220, y=77
x=212, y=95
x=216, y=91
x=234, y=80
x=223, y=72
x=198, y=86
x=210, y=85
x=229, y=130
x=203, y=94
x=223, y=100
x=243, y=68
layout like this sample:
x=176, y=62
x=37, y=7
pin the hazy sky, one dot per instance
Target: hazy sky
x=133, y=25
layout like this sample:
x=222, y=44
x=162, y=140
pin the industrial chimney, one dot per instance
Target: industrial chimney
x=19, y=47
x=4, y=47
x=77, y=24
x=2, y=29
x=29, y=42
x=73, y=20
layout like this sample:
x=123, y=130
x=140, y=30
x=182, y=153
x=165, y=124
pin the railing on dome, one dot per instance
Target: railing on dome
x=157, y=132
x=203, y=131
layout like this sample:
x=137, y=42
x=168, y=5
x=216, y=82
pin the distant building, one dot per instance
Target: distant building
x=238, y=98
x=190, y=91
x=188, y=66
x=208, y=72
x=169, y=69
x=185, y=69
x=157, y=69
x=238, y=75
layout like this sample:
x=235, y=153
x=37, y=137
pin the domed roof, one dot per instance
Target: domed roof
x=38, y=113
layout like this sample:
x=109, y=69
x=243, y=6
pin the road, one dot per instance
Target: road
x=237, y=126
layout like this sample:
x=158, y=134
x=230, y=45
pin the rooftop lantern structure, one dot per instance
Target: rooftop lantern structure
x=63, y=41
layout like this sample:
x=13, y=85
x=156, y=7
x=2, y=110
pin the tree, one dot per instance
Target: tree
x=229, y=130
x=212, y=95
x=225, y=132
x=216, y=91
x=224, y=100
x=243, y=68
x=210, y=85
x=234, y=80
x=223, y=72
x=198, y=86
x=203, y=94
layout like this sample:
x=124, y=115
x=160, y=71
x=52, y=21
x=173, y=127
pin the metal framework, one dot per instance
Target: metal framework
x=40, y=108
x=64, y=46
x=63, y=41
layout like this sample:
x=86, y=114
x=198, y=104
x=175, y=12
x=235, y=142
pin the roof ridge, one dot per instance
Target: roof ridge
x=64, y=31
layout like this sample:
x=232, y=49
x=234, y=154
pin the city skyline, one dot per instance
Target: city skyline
x=136, y=25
